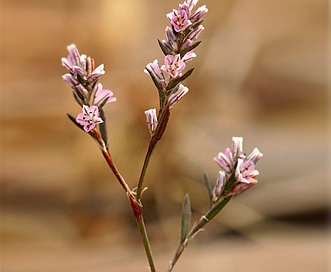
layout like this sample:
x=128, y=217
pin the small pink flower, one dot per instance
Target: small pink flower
x=237, y=146
x=176, y=95
x=245, y=171
x=193, y=35
x=173, y=65
x=220, y=185
x=225, y=160
x=189, y=56
x=101, y=94
x=70, y=80
x=81, y=68
x=153, y=68
x=237, y=165
x=151, y=120
x=179, y=19
x=89, y=118
x=172, y=43
x=200, y=12
x=190, y=4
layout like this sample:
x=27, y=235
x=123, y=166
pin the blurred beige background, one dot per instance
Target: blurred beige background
x=261, y=74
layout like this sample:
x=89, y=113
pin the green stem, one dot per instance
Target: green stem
x=136, y=207
x=151, y=147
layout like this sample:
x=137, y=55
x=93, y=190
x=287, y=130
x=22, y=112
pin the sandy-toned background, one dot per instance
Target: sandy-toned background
x=261, y=74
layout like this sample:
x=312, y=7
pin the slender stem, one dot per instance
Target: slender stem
x=109, y=160
x=117, y=174
x=134, y=200
x=151, y=147
x=136, y=207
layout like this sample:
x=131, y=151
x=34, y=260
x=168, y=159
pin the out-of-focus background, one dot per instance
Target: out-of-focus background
x=260, y=73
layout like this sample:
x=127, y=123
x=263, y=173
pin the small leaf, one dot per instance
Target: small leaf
x=176, y=81
x=159, y=87
x=162, y=123
x=77, y=98
x=186, y=218
x=103, y=128
x=73, y=119
x=103, y=102
x=189, y=48
x=210, y=193
x=186, y=75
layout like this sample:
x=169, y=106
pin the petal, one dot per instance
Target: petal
x=189, y=56
x=177, y=95
x=74, y=55
x=89, y=126
x=219, y=186
x=237, y=146
x=255, y=156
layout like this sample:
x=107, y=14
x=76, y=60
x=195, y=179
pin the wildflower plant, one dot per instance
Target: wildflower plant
x=237, y=171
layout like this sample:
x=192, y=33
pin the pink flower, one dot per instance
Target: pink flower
x=154, y=70
x=237, y=165
x=173, y=65
x=225, y=161
x=151, y=119
x=193, y=35
x=172, y=43
x=220, y=185
x=89, y=118
x=101, y=95
x=81, y=68
x=177, y=94
x=245, y=172
x=179, y=19
x=190, y=4
x=200, y=12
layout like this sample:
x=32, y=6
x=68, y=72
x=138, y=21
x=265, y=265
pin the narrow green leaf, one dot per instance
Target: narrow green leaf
x=210, y=192
x=187, y=74
x=73, y=119
x=159, y=88
x=78, y=99
x=103, y=128
x=176, y=81
x=189, y=48
x=103, y=102
x=186, y=217
x=163, y=122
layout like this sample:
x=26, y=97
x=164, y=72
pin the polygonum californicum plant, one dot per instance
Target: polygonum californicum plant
x=237, y=173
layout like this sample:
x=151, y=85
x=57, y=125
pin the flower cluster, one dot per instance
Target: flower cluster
x=186, y=25
x=83, y=79
x=238, y=172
